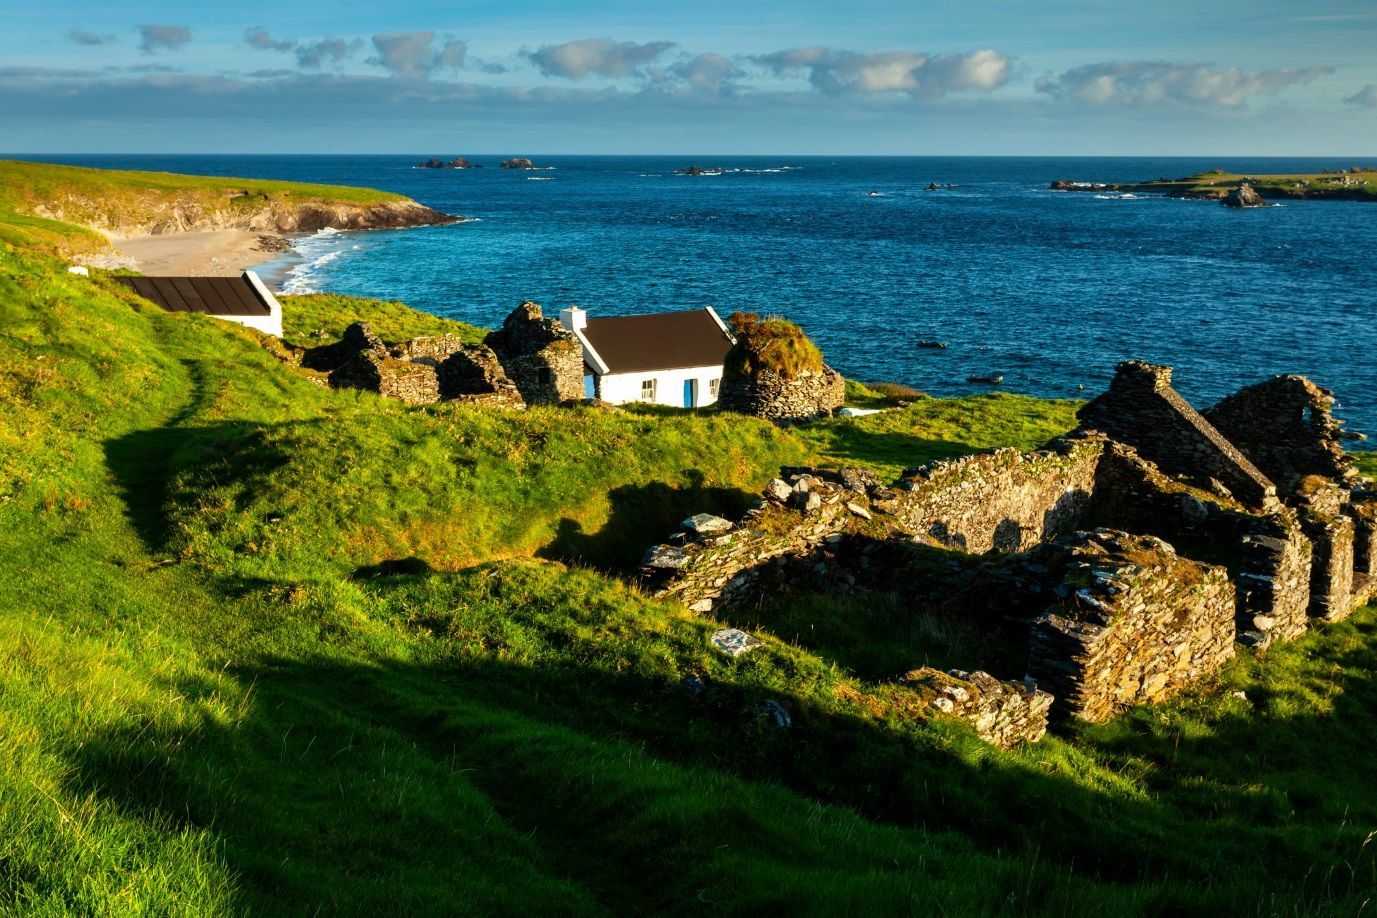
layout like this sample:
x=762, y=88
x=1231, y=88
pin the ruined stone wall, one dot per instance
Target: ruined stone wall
x=1004, y=501
x=1363, y=509
x=1132, y=494
x=718, y=568
x=1331, y=565
x=1139, y=624
x=1273, y=582
x=998, y=500
x=1002, y=713
x=766, y=394
x=542, y=357
x=472, y=374
x=413, y=383
x=1142, y=410
x=1285, y=425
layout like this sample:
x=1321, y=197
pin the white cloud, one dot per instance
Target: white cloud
x=1366, y=97
x=89, y=38
x=837, y=72
x=154, y=38
x=1149, y=83
x=413, y=55
x=710, y=72
x=577, y=60
x=258, y=37
x=326, y=51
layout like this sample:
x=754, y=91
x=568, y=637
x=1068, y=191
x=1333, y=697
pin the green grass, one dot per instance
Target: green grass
x=267, y=648
x=78, y=198
x=1219, y=181
x=316, y=318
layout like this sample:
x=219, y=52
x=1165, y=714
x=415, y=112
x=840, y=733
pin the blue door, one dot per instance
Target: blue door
x=690, y=388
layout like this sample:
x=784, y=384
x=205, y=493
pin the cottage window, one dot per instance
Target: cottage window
x=543, y=375
x=648, y=390
x=712, y=387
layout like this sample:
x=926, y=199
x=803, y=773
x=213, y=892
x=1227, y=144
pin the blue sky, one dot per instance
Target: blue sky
x=1063, y=77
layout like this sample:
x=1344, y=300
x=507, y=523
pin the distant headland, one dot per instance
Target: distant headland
x=1357, y=183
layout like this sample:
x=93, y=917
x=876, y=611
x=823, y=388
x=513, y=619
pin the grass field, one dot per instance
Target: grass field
x=1361, y=184
x=267, y=648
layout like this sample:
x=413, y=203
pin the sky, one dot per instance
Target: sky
x=884, y=77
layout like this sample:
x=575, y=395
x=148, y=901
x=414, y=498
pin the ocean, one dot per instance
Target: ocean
x=1050, y=289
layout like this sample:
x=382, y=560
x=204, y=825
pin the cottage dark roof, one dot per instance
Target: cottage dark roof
x=217, y=296
x=662, y=341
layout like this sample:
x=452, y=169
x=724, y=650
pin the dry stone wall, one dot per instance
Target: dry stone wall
x=1003, y=501
x=1144, y=411
x=1286, y=426
x=767, y=394
x=1139, y=624
x=543, y=358
x=1002, y=713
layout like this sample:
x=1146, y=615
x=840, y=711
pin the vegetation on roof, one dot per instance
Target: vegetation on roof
x=770, y=343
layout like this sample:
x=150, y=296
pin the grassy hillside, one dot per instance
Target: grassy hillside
x=54, y=207
x=267, y=648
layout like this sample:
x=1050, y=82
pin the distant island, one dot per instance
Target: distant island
x=519, y=162
x=459, y=163
x=1358, y=183
x=699, y=170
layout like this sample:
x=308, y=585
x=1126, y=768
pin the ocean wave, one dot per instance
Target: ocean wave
x=316, y=252
x=540, y=178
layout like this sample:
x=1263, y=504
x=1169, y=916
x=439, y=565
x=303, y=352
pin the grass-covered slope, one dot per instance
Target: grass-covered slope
x=267, y=648
x=57, y=207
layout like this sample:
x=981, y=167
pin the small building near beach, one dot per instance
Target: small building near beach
x=667, y=358
x=244, y=299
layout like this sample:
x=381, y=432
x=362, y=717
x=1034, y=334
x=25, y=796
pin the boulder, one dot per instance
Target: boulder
x=1245, y=195
x=705, y=524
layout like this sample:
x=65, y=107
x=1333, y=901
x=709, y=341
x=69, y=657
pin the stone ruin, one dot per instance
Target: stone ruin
x=766, y=394
x=1130, y=558
x=542, y=357
x=530, y=361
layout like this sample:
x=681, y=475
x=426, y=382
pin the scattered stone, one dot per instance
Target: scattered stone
x=694, y=686
x=858, y=510
x=778, y=490
x=705, y=524
x=665, y=557
x=779, y=714
x=734, y=642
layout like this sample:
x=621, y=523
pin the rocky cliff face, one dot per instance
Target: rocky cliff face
x=189, y=214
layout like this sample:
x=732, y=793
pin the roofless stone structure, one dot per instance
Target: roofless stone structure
x=1136, y=552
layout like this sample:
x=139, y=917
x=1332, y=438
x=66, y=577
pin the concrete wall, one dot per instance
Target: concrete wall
x=621, y=388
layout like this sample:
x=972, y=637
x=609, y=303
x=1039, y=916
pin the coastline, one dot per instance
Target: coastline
x=207, y=253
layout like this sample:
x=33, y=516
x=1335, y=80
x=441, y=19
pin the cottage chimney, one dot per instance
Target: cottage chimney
x=573, y=318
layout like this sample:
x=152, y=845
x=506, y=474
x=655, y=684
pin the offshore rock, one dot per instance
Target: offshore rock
x=1245, y=195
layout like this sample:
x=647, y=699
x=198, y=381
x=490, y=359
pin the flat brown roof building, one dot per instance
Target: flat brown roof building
x=244, y=299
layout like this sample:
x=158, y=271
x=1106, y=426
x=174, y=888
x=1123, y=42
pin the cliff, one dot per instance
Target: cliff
x=67, y=199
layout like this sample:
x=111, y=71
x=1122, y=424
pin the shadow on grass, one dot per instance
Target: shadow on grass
x=146, y=464
x=850, y=442
x=640, y=516
x=484, y=783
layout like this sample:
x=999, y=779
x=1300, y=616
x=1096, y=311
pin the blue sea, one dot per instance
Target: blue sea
x=1050, y=289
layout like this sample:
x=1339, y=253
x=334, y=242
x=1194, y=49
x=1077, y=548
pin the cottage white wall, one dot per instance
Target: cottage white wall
x=271, y=324
x=620, y=388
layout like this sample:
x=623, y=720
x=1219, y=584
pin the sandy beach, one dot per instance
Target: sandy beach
x=212, y=253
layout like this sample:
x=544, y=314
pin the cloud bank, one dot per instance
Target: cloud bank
x=154, y=38
x=414, y=55
x=914, y=73
x=1154, y=83
x=577, y=60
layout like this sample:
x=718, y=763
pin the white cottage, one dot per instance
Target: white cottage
x=668, y=358
x=244, y=299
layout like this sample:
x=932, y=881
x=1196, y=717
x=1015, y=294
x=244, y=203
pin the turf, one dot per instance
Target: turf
x=267, y=648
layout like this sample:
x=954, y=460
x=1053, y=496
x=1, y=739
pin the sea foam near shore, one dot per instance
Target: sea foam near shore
x=314, y=253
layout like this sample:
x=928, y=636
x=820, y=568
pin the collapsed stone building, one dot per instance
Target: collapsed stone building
x=1128, y=558
x=531, y=360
